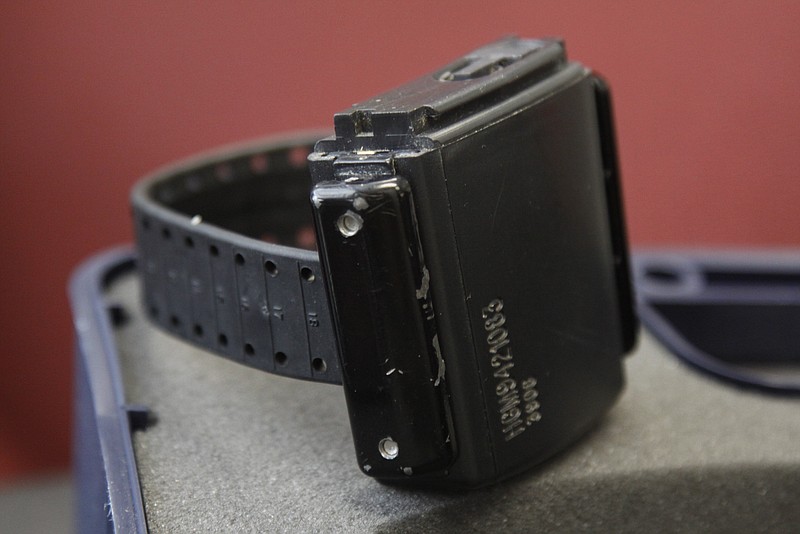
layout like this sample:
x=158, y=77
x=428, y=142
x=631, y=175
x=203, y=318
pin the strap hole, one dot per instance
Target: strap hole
x=239, y=259
x=213, y=250
x=223, y=172
x=146, y=223
x=308, y=274
x=222, y=339
x=259, y=163
x=306, y=238
x=249, y=350
x=298, y=156
x=271, y=267
x=194, y=183
x=319, y=365
x=281, y=358
x=165, y=233
x=153, y=311
x=189, y=242
x=198, y=330
x=174, y=321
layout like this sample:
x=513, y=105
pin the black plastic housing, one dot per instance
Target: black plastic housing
x=509, y=182
x=385, y=325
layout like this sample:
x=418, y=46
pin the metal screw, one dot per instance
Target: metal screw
x=349, y=224
x=388, y=448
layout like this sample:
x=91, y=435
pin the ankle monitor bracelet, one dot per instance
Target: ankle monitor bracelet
x=454, y=255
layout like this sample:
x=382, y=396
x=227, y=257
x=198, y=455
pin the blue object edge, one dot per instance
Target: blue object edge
x=691, y=263
x=99, y=383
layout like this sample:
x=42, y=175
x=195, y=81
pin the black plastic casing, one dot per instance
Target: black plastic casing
x=483, y=303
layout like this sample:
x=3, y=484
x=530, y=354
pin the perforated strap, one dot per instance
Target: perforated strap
x=258, y=303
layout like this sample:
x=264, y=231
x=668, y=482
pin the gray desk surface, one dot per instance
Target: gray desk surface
x=236, y=450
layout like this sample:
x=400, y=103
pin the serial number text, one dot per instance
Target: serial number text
x=517, y=403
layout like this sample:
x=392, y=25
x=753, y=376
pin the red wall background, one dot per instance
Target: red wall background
x=93, y=95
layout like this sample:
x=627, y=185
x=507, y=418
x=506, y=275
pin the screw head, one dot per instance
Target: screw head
x=388, y=448
x=349, y=223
